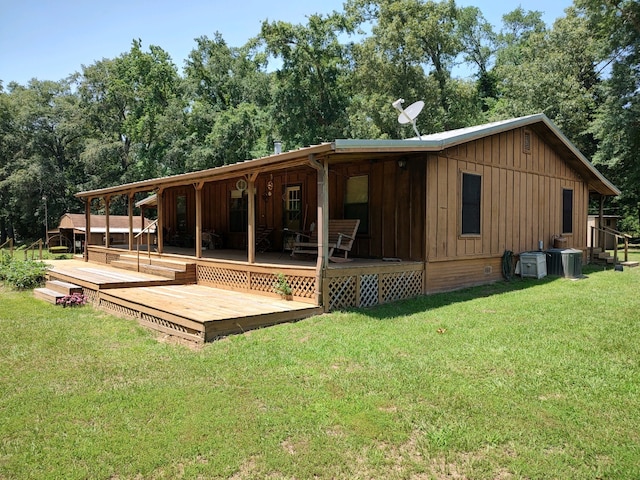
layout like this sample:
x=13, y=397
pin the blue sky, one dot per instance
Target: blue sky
x=50, y=39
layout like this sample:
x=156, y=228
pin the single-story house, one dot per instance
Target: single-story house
x=72, y=229
x=435, y=213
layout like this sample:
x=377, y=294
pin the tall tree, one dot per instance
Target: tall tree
x=549, y=70
x=309, y=94
x=480, y=44
x=617, y=126
x=228, y=91
x=413, y=46
x=41, y=151
x=124, y=100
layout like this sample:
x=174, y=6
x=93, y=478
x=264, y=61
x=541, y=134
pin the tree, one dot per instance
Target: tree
x=124, y=100
x=309, y=97
x=410, y=53
x=229, y=96
x=41, y=151
x=617, y=125
x=480, y=44
x=550, y=71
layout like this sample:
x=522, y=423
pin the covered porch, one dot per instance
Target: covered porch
x=238, y=223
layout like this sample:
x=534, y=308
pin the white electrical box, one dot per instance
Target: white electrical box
x=533, y=264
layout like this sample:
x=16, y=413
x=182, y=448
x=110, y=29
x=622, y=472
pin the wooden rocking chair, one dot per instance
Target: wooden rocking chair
x=342, y=234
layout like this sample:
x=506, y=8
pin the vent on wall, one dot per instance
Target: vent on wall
x=526, y=141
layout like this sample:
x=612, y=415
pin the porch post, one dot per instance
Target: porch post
x=251, y=213
x=107, y=201
x=142, y=225
x=87, y=227
x=322, y=226
x=198, y=187
x=601, y=238
x=160, y=224
x=130, y=205
x=323, y=216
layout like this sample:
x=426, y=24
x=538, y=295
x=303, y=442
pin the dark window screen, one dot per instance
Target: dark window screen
x=567, y=211
x=471, y=193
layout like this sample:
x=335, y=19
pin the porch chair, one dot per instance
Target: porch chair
x=262, y=238
x=211, y=240
x=342, y=234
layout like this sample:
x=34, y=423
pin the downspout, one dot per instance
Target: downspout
x=322, y=219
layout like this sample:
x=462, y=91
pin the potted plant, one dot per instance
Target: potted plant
x=281, y=286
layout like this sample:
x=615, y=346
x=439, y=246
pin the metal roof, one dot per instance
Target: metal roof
x=343, y=147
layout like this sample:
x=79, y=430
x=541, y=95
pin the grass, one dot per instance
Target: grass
x=528, y=379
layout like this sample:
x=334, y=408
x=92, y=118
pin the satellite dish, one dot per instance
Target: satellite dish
x=409, y=114
x=241, y=184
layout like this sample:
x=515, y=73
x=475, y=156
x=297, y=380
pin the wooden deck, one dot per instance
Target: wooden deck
x=195, y=312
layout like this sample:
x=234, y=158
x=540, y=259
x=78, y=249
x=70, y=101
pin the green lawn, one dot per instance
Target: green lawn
x=528, y=379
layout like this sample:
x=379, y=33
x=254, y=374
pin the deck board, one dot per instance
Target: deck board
x=205, y=304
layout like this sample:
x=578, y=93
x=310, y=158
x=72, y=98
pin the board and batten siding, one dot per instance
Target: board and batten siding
x=521, y=204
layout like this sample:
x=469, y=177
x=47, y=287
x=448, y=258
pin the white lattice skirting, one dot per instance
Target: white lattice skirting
x=368, y=289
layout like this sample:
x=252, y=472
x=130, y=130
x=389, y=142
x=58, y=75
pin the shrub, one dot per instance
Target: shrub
x=22, y=274
x=281, y=285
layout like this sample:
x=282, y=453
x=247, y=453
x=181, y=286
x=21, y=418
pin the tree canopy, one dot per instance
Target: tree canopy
x=137, y=116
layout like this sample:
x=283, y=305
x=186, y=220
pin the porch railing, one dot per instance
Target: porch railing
x=617, y=236
x=9, y=242
x=138, y=237
x=32, y=248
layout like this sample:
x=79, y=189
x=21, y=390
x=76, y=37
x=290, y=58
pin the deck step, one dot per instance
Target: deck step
x=170, y=270
x=162, y=262
x=47, y=295
x=630, y=264
x=65, y=288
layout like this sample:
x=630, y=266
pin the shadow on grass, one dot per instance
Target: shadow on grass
x=437, y=300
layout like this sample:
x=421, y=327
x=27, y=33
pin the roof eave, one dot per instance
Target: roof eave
x=278, y=161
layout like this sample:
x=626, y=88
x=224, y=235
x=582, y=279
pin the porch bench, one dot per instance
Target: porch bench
x=342, y=234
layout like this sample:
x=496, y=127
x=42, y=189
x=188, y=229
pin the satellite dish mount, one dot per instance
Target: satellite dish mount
x=409, y=114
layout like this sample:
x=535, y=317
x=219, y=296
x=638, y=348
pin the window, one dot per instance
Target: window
x=471, y=194
x=356, y=201
x=567, y=210
x=293, y=207
x=238, y=212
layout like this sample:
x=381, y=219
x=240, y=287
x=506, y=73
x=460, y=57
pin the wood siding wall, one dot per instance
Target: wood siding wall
x=521, y=204
x=216, y=197
x=396, y=206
